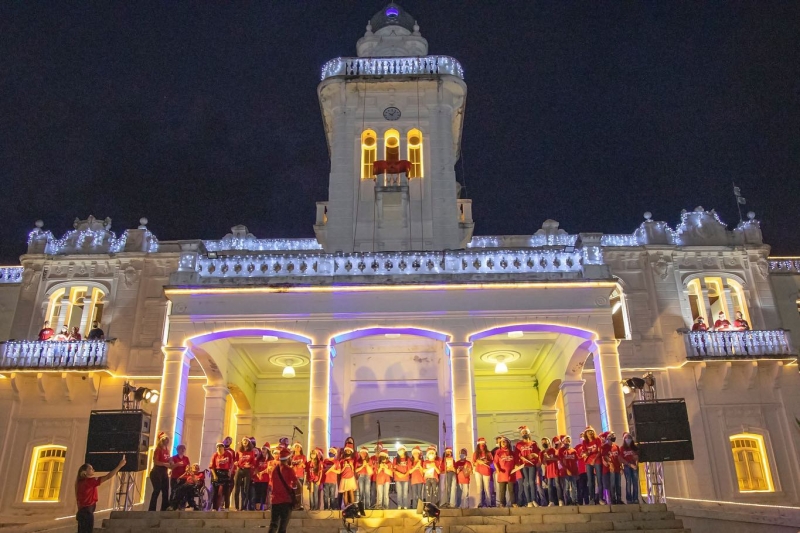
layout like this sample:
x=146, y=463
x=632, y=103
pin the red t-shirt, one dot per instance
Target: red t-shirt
x=401, y=467
x=629, y=455
x=448, y=464
x=581, y=463
x=260, y=472
x=429, y=469
x=592, y=451
x=299, y=465
x=45, y=334
x=279, y=492
x=161, y=455
x=550, y=460
x=363, y=466
x=417, y=476
x=87, y=491
x=327, y=465
x=221, y=462
x=383, y=473
x=483, y=468
x=314, y=474
x=461, y=477
x=181, y=463
x=504, y=462
x=528, y=450
x=569, y=460
x=348, y=468
x=246, y=459
x=611, y=457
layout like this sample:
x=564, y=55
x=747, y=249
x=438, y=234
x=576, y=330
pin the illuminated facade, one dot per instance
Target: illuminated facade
x=396, y=314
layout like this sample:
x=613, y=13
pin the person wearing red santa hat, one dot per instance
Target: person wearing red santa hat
x=417, y=477
x=179, y=465
x=401, y=468
x=550, y=460
x=431, y=469
x=383, y=479
x=611, y=468
x=298, y=462
x=245, y=460
x=364, y=473
x=450, y=482
x=284, y=493
x=221, y=476
x=159, y=477
x=482, y=463
x=594, y=465
x=463, y=476
x=629, y=457
x=504, y=463
x=329, y=468
x=568, y=457
x=528, y=453
x=347, y=471
x=313, y=478
x=261, y=474
x=583, y=487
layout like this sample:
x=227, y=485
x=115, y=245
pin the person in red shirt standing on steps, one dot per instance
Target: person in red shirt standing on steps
x=314, y=478
x=482, y=463
x=46, y=333
x=629, y=457
x=261, y=475
x=245, y=460
x=284, y=489
x=298, y=463
x=179, y=465
x=402, y=465
x=86, y=494
x=550, y=460
x=528, y=452
x=611, y=469
x=583, y=488
x=329, y=475
x=504, y=462
x=594, y=464
x=569, y=461
x=159, y=476
x=221, y=476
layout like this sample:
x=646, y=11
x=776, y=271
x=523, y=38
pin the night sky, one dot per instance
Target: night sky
x=203, y=115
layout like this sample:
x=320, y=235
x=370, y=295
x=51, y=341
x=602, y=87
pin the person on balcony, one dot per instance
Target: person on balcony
x=740, y=324
x=74, y=335
x=62, y=336
x=699, y=324
x=722, y=323
x=46, y=333
x=96, y=334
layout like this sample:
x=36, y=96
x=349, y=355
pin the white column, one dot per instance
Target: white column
x=244, y=426
x=548, y=423
x=461, y=385
x=319, y=397
x=609, y=388
x=706, y=303
x=172, y=403
x=87, y=310
x=574, y=407
x=213, y=421
x=63, y=319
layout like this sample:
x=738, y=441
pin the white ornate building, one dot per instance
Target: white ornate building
x=397, y=314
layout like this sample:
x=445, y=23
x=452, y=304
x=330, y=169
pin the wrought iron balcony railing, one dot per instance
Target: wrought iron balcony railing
x=54, y=355
x=757, y=344
x=392, y=66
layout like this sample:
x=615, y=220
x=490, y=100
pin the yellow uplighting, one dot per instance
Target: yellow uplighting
x=750, y=460
x=52, y=473
x=369, y=152
x=732, y=503
x=414, y=140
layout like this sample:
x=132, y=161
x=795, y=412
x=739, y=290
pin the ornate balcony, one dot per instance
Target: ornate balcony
x=11, y=274
x=54, y=355
x=392, y=66
x=784, y=265
x=710, y=345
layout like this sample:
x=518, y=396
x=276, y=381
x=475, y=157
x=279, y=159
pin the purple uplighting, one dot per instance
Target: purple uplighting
x=392, y=12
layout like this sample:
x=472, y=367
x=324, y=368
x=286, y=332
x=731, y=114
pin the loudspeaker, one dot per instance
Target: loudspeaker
x=657, y=452
x=117, y=442
x=660, y=420
x=106, y=462
x=118, y=431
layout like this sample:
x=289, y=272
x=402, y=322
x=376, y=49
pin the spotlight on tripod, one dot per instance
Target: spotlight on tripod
x=431, y=512
x=352, y=512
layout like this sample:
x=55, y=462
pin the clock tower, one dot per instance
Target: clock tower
x=393, y=117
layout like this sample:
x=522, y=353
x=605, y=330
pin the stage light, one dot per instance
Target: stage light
x=145, y=394
x=631, y=384
x=351, y=512
x=625, y=388
x=431, y=512
x=500, y=367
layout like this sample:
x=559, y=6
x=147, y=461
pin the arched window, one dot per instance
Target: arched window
x=44, y=476
x=725, y=295
x=414, y=139
x=750, y=460
x=391, y=145
x=369, y=151
x=78, y=305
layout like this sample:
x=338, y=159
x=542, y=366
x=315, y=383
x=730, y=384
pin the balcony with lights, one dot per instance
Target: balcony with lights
x=392, y=67
x=732, y=345
x=54, y=355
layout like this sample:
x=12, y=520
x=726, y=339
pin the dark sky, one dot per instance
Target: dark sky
x=203, y=115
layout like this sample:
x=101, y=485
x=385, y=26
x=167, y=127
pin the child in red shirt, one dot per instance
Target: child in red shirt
x=347, y=481
x=594, y=464
x=463, y=476
x=86, y=494
x=383, y=478
x=629, y=457
x=504, y=462
x=313, y=479
x=261, y=474
x=402, y=466
x=329, y=467
x=245, y=461
x=482, y=461
x=611, y=469
x=431, y=468
x=298, y=463
x=550, y=460
x=417, y=477
x=568, y=457
x=221, y=476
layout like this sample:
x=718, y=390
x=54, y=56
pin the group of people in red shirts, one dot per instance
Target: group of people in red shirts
x=69, y=335
x=556, y=473
x=722, y=323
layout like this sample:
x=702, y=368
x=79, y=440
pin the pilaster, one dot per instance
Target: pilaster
x=463, y=395
x=548, y=423
x=213, y=420
x=319, y=397
x=574, y=407
x=172, y=403
x=609, y=388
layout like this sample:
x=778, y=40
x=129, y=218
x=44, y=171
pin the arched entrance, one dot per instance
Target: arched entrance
x=397, y=426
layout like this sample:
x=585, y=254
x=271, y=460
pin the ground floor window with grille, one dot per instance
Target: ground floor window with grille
x=44, y=480
x=750, y=460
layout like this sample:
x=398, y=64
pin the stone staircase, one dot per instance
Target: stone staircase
x=651, y=518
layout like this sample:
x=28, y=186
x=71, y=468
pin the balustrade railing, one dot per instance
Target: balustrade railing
x=54, y=355
x=473, y=261
x=11, y=274
x=737, y=344
x=392, y=66
x=779, y=265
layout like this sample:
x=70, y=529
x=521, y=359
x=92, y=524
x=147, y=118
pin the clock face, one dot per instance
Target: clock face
x=391, y=113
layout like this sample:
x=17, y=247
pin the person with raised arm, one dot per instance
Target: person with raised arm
x=86, y=494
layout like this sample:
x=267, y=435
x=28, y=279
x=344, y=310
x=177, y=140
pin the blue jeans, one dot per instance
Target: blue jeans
x=329, y=495
x=313, y=495
x=415, y=494
x=611, y=482
x=528, y=483
x=363, y=490
x=402, y=493
x=631, y=484
x=484, y=498
x=463, y=495
x=382, y=493
x=541, y=484
x=450, y=489
x=594, y=475
x=571, y=490
x=556, y=493
x=432, y=490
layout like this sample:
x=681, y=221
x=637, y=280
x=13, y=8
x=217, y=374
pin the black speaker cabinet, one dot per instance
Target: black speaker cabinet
x=119, y=422
x=107, y=461
x=658, y=452
x=117, y=442
x=660, y=420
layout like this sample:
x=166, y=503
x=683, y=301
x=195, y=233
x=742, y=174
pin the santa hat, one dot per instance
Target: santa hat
x=604, y=435
x=285, y=454
x=626, y=435
x=481, y=440
x=297, y=443
x=416, y=449
x=318, y=451
x=266, y=445
x=160, y=436
x=589, y=428
x=333, y=450
x=562, y=437
x=220, y=444
x=349, y=446
x=523, y=430
x=383, y=452
x=448, y=449
x=401, y=447
x=430, y=448
x=363, y=449
x=555, y=439
x=463, y=450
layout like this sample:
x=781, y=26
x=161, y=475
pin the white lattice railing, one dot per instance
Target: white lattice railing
x=54, y=355
x=392, y=66
x=740, y=344
x=392, y=264
x=11, y=274
x=784, y=265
